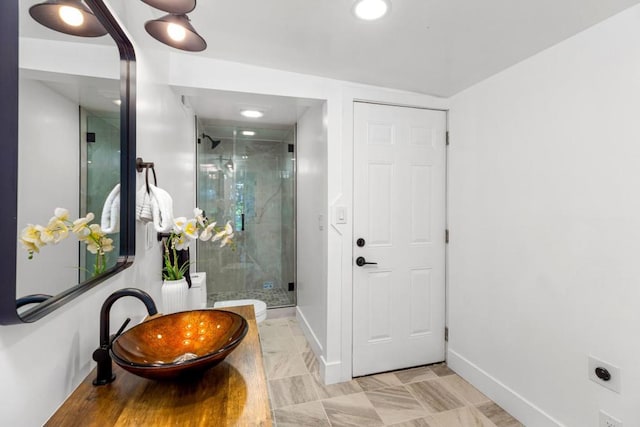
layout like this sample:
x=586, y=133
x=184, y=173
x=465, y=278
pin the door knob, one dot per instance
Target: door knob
x=360, y=242
x=360, y=261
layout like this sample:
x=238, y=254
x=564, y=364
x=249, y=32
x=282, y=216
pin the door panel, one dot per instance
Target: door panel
x=399, y=204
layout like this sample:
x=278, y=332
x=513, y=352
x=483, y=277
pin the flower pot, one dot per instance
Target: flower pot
x=175, y=295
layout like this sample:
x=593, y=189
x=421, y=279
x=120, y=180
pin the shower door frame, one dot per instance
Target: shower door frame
x=294, y=176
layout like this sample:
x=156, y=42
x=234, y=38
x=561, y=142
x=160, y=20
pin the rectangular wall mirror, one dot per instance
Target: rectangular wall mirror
x=68, y=112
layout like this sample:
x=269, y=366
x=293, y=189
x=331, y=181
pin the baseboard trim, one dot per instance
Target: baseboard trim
x=330, y=372
x=525, y=411
x=313, y=341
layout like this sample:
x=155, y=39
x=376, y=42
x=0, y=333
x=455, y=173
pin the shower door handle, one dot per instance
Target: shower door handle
x=361, y=261
x=242, y=222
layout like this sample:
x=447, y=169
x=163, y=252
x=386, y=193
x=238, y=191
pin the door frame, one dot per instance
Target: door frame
x=347, y=301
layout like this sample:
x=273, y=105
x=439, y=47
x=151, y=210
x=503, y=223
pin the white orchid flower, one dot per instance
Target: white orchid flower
x=191, y=229
x=180, y=241
x=92, y=247
x=219, y=235
x=96, y=231
x=45, y=235
x=228, y=229
x=227, y=239
x=58, y=228
x=107, y=244
x=178, y=224
x=199, y=216
x=30, y=234
x=207, y=233
x=80, y=224
x=62, y=214
x=30, y=239
x=31, y=247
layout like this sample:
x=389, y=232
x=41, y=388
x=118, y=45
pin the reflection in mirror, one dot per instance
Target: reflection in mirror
x=100, y=182
x=71, y=144
x=68, y=158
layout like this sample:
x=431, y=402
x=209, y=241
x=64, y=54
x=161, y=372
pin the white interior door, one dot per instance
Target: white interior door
x=399, y=211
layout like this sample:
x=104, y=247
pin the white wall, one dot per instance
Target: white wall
x=312, y=222
x=43, y=362
x=545, y=228
x=35, y=382
x=192, y=71
x=48, y=178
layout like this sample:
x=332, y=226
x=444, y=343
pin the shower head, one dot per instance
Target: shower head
x=214, y=142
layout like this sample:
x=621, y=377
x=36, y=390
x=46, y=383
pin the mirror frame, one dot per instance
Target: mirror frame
x=9, y=79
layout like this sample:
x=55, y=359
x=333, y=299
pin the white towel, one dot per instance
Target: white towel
x=143, y=205
x=110, y=220
x=162, y=209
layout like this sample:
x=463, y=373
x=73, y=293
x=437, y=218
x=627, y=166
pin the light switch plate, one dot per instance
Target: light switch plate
x=340, y=215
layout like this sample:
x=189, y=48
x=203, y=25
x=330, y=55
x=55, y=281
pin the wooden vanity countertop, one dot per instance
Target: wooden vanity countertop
x=234, y=393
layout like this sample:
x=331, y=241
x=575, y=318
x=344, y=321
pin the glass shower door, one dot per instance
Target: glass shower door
x=249, y=182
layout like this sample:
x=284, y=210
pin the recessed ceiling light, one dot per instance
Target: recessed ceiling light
x=248, y=133
x=252, y=114
x=370, y=10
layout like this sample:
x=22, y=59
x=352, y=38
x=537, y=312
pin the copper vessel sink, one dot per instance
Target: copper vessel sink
x=179, y=344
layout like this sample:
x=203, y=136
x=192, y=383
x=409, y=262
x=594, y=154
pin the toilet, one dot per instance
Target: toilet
x=197, y=293
x=260, y=307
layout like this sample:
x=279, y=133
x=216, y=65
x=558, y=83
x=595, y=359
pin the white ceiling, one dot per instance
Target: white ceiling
x=216, y=108
x=437, y=47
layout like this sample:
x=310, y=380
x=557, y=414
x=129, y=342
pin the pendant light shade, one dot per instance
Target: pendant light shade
x=69, y=17
x=173, y=6
x=176, y=31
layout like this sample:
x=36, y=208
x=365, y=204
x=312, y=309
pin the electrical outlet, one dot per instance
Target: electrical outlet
x=613, y=381
x=607, y=420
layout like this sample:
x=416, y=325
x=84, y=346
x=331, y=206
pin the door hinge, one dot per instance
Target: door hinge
x=447, y=137
x=446, y=235
x=446, y=333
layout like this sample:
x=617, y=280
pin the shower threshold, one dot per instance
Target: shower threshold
x=274, y=298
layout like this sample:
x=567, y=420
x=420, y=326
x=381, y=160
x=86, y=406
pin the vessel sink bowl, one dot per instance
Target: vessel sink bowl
x=179, y=344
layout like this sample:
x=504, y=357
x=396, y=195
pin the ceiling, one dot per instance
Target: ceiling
x=216, y=108
x=437, y=47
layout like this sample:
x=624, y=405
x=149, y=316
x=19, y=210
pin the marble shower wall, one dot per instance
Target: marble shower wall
x=254, y=178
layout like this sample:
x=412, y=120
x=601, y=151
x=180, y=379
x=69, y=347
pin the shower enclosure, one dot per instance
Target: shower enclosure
x=249, y=180
x=99, y=174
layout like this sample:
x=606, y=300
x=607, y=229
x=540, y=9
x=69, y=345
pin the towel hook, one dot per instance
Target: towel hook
x=142, y=165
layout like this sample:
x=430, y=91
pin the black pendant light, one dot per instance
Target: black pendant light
x=176, y=31
x=69, y=17
x=173, y=6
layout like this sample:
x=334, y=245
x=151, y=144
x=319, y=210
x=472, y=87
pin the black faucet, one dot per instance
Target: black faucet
x=101, y=355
